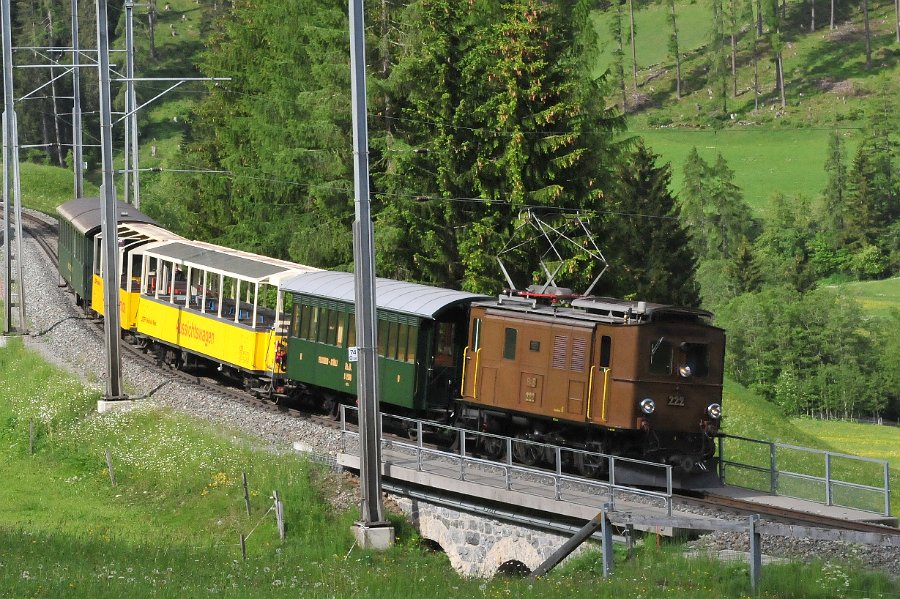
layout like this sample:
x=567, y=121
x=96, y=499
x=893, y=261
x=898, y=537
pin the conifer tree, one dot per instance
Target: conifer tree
x=834, y=194
x=674, y=52
x=648, y=250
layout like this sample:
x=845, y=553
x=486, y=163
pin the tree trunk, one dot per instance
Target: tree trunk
x=755, y=74
x=779, y=71
x=759, y=19
x=733, y=50
x=897, y=19
x=812, y=15
x=151, y=22
x=677, y=51
x=386, y=65
x=59, y=151
x=868, y=35
x=832, y=14
x=678, y=75
x=634, y=68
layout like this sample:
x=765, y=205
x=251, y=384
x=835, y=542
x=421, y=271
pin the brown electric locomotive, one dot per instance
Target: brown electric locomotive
x=616, y=377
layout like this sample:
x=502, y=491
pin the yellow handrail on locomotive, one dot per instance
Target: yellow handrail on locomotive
x=475, y=377
x=590, y=391
x=462, y=384
x=605, y=393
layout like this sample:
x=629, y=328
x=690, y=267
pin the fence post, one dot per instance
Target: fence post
x=827, y=478
x=243, y=547
x=279, y=515
x=109, y=466
x=629, y=540
x=606, y=530
x=246, y=491
x=773, y=473
x=755, y=553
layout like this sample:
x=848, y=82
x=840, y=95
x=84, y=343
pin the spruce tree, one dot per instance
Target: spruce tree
x=648, y=249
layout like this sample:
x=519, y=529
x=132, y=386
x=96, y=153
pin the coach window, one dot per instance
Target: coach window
x=382, y=337
x=342, y=318
x=509, y=344
x=443, y=349
x=605, y=351
x=660, y=356
x=393, y=341
x=351, y=331
x=322, y=334
x=295, y=321
x=333, y=316
x=411, y=343
x=313, y=323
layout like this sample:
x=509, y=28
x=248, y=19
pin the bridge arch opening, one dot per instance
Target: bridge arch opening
x=513, y=568
x=431, y=546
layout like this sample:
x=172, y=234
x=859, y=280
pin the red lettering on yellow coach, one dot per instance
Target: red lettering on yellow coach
x=194, y=332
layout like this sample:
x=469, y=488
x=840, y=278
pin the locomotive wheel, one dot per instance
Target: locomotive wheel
x=526, y=453
x=591, y=466
x=493, y=448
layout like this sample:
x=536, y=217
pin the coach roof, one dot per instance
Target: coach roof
x=84, y=214
x=397, y=296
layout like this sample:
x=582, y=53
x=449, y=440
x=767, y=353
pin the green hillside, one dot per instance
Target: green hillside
x=772, y=149
x=876, y=297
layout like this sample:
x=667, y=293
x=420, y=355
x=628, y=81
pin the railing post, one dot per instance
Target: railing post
x=343, y=410
x=418, y=445
x=462, y=454
x=509, y=451
x=887, y=489
x=557, y=489
x=827, y=478
x=721, y=463
x=669, y=490
x=606, y=530
x=773, y=474
x=612, y=482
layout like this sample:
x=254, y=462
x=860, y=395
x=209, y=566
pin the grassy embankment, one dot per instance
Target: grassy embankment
x=170, y=527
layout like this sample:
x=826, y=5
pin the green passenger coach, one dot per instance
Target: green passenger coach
x=79, y=223
x=421, y=331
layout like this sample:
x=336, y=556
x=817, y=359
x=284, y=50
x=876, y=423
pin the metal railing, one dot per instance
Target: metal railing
x=827, y=487
x=553, y=481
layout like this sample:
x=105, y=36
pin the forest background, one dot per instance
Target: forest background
x=481, y=113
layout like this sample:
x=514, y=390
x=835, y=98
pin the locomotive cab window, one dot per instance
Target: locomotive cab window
x=660, y=356
x=696, y=357
x=605, y=351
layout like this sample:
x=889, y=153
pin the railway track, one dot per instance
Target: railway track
x=715, y=502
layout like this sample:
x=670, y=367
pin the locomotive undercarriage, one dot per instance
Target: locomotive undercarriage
x=689, y=454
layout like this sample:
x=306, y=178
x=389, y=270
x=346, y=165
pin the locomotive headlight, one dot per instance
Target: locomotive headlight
x=685, y=371
x=648, y=406
x=714, y=410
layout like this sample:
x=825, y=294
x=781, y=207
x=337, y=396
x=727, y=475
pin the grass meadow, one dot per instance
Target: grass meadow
x=790, y=161
x=170, y=526
x=879, y=298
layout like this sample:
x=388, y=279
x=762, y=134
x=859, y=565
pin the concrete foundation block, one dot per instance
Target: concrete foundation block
x=379, y=538
x=118, y=405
